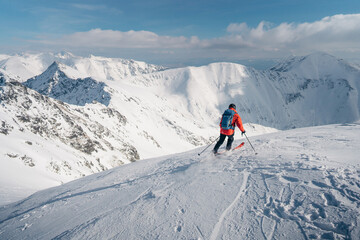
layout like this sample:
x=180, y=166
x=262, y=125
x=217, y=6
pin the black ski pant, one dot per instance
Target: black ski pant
x=221, y=141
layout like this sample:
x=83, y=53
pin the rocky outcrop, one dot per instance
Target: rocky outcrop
x=56, y=84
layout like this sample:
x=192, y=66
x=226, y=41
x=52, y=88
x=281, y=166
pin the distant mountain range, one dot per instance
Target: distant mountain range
x=66, y=116
x=28, y=65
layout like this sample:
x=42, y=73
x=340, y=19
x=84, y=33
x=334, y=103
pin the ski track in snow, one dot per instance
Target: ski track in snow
x=224, y=214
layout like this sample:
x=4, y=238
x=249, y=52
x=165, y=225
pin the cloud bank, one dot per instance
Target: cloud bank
x=338, y=33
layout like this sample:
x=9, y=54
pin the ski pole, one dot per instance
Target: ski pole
x=250, y=144
x=208, y=146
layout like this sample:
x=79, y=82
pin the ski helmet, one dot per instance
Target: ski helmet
x=232, y=106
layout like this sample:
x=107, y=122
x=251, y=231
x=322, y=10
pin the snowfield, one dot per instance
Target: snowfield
x=302, y=184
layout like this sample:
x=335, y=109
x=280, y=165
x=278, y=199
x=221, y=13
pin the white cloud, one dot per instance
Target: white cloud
x=238, y=28
x=118, y=39
x=339, y=33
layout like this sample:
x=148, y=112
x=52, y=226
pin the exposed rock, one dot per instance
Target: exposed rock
x=71, y=125
x=5, y=128
x=56, y=84
x=28, y=161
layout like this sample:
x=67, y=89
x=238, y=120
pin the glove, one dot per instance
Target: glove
x=242, y=133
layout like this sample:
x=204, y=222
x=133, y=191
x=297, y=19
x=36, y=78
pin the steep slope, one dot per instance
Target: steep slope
x=28, y=65
x=48, y=142
x=303, y=184
x=327, y=88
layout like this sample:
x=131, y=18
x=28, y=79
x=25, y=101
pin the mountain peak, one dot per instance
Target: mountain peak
x=292, y=62
x=59, y=82
x=315, y=65
x=57, y=65
x=59, y=68
x=54, y=70
x=54, y=65
x=64, y=55
x=321, y=58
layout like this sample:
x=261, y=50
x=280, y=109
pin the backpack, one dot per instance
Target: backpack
x=226, y=119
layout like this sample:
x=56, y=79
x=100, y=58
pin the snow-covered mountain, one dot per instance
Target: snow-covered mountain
x=48, y=142
x=303, y=184
x=301, y=91
x=28, y=65
x=59, y=142
x=108, y=120
x=319, y=89
x=55, y=83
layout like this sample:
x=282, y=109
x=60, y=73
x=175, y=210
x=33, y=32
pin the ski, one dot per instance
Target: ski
x=239, y=146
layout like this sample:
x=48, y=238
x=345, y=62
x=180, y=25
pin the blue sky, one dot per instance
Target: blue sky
x=182, y=32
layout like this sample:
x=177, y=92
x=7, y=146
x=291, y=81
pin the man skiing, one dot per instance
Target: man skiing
x=229, y=119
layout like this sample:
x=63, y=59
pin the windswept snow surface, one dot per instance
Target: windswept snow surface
x=302, y=184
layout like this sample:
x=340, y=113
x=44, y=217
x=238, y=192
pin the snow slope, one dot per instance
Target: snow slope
x=303, y=184
x=45, y=142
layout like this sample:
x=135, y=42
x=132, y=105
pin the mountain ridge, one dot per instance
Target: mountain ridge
x=28, y=65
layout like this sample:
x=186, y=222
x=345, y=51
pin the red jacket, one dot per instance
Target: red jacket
x=236, y=120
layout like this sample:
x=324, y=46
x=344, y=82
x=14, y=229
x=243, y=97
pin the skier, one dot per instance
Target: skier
x=227, y=127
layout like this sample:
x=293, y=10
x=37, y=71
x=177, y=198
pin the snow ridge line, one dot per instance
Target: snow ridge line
x=217, y=227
